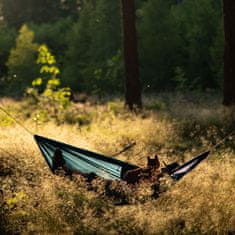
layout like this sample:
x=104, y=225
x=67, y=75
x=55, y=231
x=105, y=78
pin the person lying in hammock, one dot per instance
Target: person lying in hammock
x=151, y=172
x=58, y=163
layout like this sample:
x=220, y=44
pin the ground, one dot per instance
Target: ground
x=176, y=127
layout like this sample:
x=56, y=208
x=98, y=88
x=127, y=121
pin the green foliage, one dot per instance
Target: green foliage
x=7, y=41
x=20, y=63
x=180, y=44
x=217, y=56
x=186, y=36
x=94, y=44
x=53, y=34
x=105, y=30
x=46, y=89
x=199, y=24
x=77, y=58
x=107, y=78
x=159, y=43
x=180, y=79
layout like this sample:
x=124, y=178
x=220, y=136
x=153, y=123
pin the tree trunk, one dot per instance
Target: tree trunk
x=229, y=52
x=132, y=83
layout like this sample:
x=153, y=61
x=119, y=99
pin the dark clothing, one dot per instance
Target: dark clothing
x=57, y=161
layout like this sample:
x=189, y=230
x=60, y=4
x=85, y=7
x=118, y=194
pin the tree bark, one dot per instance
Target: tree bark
x=132, y=83
x=229, y=52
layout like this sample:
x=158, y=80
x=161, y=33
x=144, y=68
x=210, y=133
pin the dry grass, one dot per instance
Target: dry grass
x=35, y=201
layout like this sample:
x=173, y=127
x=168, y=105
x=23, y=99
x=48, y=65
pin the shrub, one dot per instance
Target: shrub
x=46, y=90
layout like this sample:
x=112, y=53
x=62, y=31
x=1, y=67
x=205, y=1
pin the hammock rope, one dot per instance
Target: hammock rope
x=32, y=134
x=214, y=147
x=16, y=121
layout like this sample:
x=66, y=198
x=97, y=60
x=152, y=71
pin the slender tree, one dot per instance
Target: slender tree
x=229, y=52
x=132, y=83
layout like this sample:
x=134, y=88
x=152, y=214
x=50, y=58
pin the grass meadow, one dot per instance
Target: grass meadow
x=176, y=127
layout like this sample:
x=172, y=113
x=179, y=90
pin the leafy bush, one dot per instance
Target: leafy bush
x=45, y=90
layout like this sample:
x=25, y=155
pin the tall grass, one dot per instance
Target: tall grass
x=36, y=201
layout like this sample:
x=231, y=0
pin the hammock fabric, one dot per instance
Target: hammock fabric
x=182, y=170
x=83, y=161
x=87, y=162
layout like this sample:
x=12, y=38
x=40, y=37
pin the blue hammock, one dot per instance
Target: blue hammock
x=87, y=162
x=83, y=161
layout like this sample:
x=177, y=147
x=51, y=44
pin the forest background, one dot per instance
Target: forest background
x=180, y=44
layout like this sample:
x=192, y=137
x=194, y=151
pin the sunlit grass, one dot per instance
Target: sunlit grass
x=36, y=201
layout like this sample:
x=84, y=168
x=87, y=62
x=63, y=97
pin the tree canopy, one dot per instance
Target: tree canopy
x=180, y=43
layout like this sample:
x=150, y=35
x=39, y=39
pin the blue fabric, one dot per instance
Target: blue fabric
x=83, y=161
x=188, y=166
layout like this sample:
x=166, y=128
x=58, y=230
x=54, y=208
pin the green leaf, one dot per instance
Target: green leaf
x=37, y=82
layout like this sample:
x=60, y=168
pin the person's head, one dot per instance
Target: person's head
x=153, y=162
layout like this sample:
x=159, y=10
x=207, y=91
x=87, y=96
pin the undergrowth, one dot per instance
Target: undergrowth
x=33, y=200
